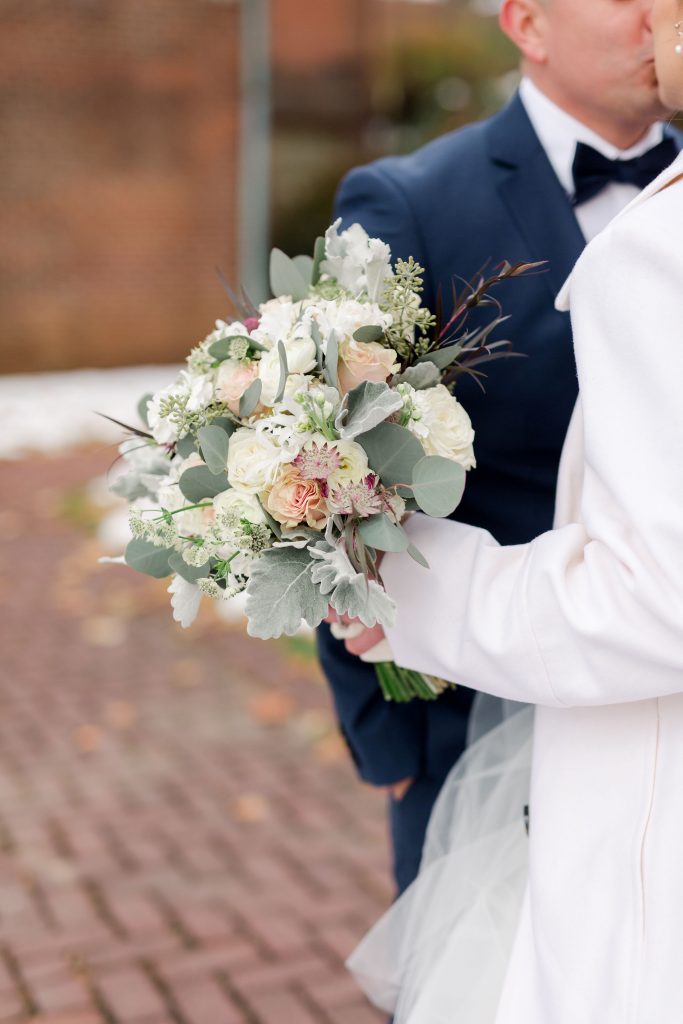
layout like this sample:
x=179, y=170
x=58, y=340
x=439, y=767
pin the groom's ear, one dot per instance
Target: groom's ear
x=524, y=22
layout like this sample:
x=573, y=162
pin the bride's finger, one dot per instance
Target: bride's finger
x=364, y=641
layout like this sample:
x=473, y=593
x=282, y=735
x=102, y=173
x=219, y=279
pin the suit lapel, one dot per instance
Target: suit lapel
x=532, y=194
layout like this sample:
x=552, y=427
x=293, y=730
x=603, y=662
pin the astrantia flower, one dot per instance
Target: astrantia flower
x=317, y=461
x=357, y=499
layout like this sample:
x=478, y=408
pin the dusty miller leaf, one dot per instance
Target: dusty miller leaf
x=281, y=593
x=368, y=405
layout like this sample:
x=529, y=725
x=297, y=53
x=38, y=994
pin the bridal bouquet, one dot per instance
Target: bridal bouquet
x=288, y=451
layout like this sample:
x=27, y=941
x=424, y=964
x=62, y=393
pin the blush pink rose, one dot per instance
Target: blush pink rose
x=233, y=380
x=359, y=361
x=293, y=500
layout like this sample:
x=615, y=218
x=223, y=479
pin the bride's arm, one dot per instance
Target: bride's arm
x=591, y=613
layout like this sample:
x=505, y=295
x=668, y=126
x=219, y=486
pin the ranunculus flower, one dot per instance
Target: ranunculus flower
x=246, y=506
x=232, y=381
x=253, y=461
x=300, y=359
x=359, y=361
x=293, y=500
x=443, y=427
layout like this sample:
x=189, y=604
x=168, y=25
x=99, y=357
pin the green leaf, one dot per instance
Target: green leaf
x=214, y=443
x=285, y=277
x=421, y=376
x=284, y=372
x=417, y=556
x=186, y=446
x=392, y=453
x=331, y=360
x=369, y=404
x=281, y=593
x=142, y=407
x=250, y=398
x=145, y=557
x=367, y=334
x=305, y=265
x=380, y=533
x=199, y=483
x=318, y=257
x=441, y=357
x=438, y=485
x=191, y=573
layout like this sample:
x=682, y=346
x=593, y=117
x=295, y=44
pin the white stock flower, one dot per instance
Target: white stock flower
x=278, y=319
x=442, y=425
x=162, y=429
x=227, y=330
x=253, y=461
x=356, y=261
x=345, y=316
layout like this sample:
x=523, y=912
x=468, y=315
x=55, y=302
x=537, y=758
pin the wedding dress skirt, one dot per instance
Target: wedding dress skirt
x=440, y=954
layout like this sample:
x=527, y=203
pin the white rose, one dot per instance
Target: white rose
x=443, y=426
x=253, y=461
x=301, y=359
x=247, y=506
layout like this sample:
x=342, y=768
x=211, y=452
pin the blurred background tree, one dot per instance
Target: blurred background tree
x=128, y=134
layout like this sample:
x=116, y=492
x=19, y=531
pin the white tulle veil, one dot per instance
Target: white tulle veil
x=440, y=954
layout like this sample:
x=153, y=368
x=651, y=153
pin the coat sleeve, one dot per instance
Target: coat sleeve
x=386, y=740
x=591, y=613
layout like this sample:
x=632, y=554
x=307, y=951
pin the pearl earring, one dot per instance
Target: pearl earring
x=679, y=32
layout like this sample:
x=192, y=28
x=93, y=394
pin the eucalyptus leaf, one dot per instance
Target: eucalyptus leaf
x=145, y=557
x=305, y=266
x=318, y=257
x=438, y=485
x=392, y=453
x=225, y=423
x=284, y=372
x=421, y=376
x=221, y=349
x=441, y=357
x=380, y=533
x=285, y=277
x=331, y=360
x=318, y=342
x=199, y=483
x=281, y=593
x=417, y=556
x=251, y=397
x=369, y=333
x=142, y=407
x=186, y=446
x=369, y=404
x=214, y=443
x=191, y=573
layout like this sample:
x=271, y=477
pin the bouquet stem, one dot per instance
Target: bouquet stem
x=402, y=685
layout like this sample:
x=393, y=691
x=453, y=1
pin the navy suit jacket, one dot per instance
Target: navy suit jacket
x=475, y=197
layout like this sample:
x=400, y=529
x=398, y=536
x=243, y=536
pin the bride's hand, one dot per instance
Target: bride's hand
x=358, y=639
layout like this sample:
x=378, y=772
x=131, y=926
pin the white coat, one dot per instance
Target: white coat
x=586, y=622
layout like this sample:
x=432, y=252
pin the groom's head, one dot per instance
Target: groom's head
x=594, y=58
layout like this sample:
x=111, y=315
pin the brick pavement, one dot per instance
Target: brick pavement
x=182, y=838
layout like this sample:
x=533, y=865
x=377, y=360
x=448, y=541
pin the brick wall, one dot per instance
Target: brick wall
x=117, y=177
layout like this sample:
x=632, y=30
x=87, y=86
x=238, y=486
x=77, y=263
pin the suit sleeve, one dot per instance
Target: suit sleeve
x=591, y=613
x=386, y=740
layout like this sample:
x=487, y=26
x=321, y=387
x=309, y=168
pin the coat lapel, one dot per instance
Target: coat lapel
x=532, y=194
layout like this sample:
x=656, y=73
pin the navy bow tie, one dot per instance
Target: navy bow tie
x=592, y=171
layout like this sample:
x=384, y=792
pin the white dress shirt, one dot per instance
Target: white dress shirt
x=559, y=133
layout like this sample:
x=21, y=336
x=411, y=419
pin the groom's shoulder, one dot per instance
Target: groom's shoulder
x=457, y=155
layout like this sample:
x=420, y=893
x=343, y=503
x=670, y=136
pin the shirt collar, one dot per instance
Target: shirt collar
x=559, y=132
